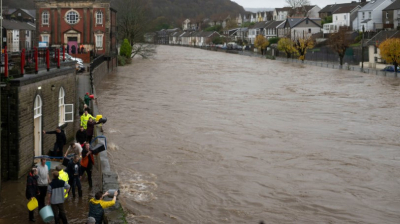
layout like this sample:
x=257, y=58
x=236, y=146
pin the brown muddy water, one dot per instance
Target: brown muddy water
x=208, y=137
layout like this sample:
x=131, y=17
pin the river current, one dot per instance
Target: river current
x=207, y=137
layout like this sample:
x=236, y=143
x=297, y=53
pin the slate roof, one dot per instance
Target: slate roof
x=382, y=36
x=273, y=24
x=30, y=12
x=345, y=9
x=334, y=7
x=16, y=25
x=395, y=5
x=371, y=6
x=258, y=25
x=284, y=9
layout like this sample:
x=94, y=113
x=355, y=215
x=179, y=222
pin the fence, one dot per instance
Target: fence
x=16, y=64
x=353, y=56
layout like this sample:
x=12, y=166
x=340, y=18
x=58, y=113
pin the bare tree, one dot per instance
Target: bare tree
x=340, y=41
x=133, y=22
x=297, y=3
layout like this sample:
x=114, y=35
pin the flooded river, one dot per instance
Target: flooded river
x=208, y=137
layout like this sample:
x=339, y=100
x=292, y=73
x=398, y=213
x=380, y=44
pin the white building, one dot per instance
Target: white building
x=370, y=16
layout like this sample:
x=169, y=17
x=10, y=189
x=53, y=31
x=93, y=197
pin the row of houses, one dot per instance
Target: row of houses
x=19, y=29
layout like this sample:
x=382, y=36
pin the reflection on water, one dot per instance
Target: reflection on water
x=208, y=137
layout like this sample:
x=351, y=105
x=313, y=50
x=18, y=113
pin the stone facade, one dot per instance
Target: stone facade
x=17, y=105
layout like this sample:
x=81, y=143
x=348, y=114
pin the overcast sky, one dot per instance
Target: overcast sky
x=282, y=3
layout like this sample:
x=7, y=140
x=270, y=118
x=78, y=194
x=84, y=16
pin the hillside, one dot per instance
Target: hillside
x=26, y=4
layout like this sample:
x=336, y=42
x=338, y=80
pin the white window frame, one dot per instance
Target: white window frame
x=99, y=17
x=37, y=109
x=99, y=37
x=68, y=110
x=68, y=19
x=46, y=36
x=61, y=107
x=45, y=18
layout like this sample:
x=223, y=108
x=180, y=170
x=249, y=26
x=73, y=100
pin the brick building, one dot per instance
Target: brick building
x=32, y=104
x=91, y=23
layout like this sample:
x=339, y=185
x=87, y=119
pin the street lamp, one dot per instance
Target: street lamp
x=362, y=49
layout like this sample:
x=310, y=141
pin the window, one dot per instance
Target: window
x=344, y=17
x=61, y=106
x=99, y=17
x=363, y=15
x=45, y=17
x=387, y=15
x=336, y=18
x=369, y=15
x=309, y=30
x=99, y=40
x=45, y=38
x=72, y=17
x=37, y=110
x=27, y=33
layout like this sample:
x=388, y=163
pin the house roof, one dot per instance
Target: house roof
x=382, y=36
x=273, y=24
x=371, y=5
x=345, y=9
x=16, y=25
x=31, y=12
x=258, y=25
x=395, y=5
x=334, y=7
x=284, y=9
x=294, y=21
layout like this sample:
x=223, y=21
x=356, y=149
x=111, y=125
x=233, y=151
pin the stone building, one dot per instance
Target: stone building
x=91, y=23
x=30, y=105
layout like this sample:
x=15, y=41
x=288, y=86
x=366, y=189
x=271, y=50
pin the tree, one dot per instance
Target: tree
x=218, y=40
x=133, y=19
x=133, y=22
x=297, y=3
x=340, y=41
x=302, y=44
x=261, y=43
x=126, y=49
x=286, y=45
x=390, y=51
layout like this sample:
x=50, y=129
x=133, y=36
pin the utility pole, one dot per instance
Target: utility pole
x=362, y=49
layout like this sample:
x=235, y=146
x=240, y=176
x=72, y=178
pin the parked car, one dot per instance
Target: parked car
x=80, y=67
x=69, y=57
x=390, y=68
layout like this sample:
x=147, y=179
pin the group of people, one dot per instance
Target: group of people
x=67, y=180
x=63, y=181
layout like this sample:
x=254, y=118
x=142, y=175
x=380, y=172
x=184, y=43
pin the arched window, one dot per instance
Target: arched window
x=38, y=107
x=99, y=17
x=72, y=17
x=45, y=17
x=61, y=105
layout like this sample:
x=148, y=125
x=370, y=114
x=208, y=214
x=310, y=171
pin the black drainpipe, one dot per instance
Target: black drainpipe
x=8, y=136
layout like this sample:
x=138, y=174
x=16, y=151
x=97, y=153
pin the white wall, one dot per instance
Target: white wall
x=376, y=17
x=341, y=19
x=298, y=31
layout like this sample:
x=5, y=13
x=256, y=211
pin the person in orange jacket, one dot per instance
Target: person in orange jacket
x=87, y=162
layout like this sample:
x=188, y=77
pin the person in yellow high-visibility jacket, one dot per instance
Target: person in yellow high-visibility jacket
x=63, y=176
x=85, y=118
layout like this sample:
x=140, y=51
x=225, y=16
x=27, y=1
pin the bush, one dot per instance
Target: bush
x=121, y=60
x=273, y=40
x=126, y=49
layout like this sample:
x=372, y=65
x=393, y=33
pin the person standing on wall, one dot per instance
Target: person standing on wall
x=61, y=140
x=81, y=135
x=87, y=162
x=86, y=99
x=55, y=193
x=32, y=190
x=43, y=181
x=90, y=129
x=85, y=118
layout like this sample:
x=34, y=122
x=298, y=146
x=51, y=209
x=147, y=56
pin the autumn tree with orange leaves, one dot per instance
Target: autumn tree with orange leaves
x=390, y=51
x=302, y=44
x=261, y=43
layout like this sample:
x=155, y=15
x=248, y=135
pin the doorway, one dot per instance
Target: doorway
x=73, y=45
x=37, y=123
